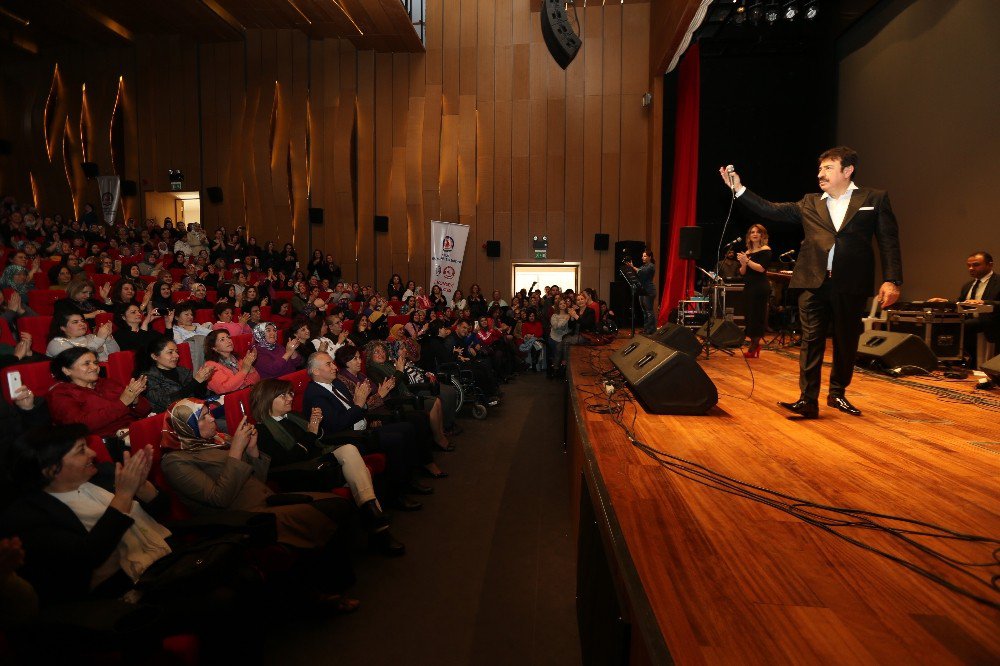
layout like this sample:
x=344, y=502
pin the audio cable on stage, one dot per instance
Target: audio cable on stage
x=834, y=520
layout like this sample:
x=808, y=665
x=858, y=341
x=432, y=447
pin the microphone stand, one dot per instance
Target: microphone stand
x=717, y=284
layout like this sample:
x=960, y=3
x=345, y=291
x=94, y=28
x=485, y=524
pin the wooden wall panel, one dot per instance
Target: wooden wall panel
x=483, y=128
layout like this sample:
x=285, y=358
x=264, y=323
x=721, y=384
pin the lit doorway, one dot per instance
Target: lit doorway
x=565, y=274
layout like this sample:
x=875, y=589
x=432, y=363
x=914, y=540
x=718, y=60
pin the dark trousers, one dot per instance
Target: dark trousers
x=820, y=310
x=648, y=315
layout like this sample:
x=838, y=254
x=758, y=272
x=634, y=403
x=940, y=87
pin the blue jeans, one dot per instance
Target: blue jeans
x=648, y=316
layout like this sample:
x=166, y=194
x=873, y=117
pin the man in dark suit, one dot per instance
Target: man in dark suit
x=982, y=289
x=835, y=269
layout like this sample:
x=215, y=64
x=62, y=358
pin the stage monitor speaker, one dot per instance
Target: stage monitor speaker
x=665, y=380
x=90, y=169
x=214, y=194
x=601, y=242
x=689, y=245
x=382, y=223
x=992, y=368
x=130, y=188
x=560, y=38
x=678, y=337
x=724, y=333
x=316, y=216
x=890, y=349
x=492, y=248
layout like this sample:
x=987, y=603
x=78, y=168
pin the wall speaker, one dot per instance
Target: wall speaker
x=214, y=194
x=129, y=188
x=315, y=216
x=6, y=147
x=689, y=245
x=90, y=169
x=382, y=223
x=890, y=349
x=724, y=333
x=665, y=380
x=492, y=248
x=601, y=242
x=560, y=38
x=677, y=337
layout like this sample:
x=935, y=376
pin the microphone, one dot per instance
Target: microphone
x=730, y=170
x=734, y=241
x=787, y=254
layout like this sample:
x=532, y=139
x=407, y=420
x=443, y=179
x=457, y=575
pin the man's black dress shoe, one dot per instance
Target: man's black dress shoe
x=840, y=402
x=807, y=409
x=385, y=544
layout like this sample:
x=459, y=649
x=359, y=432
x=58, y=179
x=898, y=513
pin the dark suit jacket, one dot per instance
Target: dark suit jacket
x=853, y=260
x=336, y=417
x=989, y=323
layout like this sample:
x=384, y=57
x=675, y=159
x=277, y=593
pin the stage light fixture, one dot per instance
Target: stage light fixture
x=791, y=10
x=812, y=8
x=771, y=12
x=740, y=16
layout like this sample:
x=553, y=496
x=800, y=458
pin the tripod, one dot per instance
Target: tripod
x=718, y=301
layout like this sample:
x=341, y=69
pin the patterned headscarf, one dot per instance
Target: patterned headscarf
x=180, y=427
x=260, y=336
x=412, y=348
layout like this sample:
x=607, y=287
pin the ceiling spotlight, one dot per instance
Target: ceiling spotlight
x=812, y=8
x=740, y=17
x=791, y=10
x=771, y=12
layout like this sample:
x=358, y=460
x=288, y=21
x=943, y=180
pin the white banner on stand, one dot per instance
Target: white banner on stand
x=111, y=192
x=447, y=250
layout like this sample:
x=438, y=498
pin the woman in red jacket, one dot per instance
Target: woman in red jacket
x=84, y=397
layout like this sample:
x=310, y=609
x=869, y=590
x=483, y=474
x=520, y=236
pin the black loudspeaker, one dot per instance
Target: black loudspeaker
x=724, y=333
x=214, y=194
x=560, y=38
x=992, y=368
x=90, y=169
x=492, y=248
x=689, y=246
x=382, y=223
x=601, y=241
x=6, y=147
x=678, y=337
x=890, y=349
x=130, y=188
x=315, y=216
x=665, y=380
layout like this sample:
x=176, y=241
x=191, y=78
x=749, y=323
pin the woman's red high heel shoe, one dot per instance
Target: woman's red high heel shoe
x=753, y=352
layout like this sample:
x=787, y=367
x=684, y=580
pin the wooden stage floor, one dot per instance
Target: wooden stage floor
x=716, y=577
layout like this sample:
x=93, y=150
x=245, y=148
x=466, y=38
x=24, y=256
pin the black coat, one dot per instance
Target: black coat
x=869, y=215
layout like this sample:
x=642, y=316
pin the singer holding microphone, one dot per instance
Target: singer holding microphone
x=757, y=289
x=835, y=269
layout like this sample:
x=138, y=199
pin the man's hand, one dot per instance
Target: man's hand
x=732, y=180
x=315, y=418
x=888, y=294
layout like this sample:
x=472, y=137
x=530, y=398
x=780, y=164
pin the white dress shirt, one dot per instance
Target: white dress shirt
x=838, y=211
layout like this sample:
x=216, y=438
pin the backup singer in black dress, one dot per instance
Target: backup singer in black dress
x=753, y=268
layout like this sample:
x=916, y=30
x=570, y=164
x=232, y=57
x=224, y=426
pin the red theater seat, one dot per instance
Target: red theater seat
x=241, y=344
x=35, y=376
x=299, y=380
x=43, y=301
x=6, y=336
x=38, y=327
x=120, y=366
x=204, y=316
x=237, y=405
x=399, y=319
x=184, y=351
x=149, y=431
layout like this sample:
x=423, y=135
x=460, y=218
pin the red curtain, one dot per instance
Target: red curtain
x=678, y=274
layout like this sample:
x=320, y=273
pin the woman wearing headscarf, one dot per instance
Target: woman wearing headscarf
x=273, y=360
x=213, y=472
x=303, y=459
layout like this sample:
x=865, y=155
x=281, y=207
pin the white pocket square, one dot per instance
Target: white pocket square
x=867, y=208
